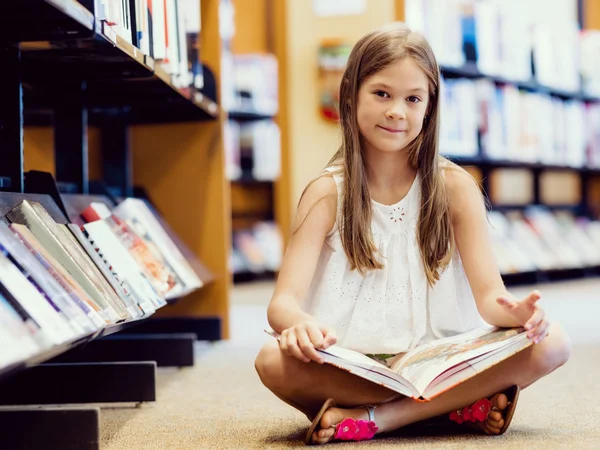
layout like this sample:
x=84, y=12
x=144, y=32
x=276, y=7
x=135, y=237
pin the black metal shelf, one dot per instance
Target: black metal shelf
x=470, y=70
x=500, y=164
x=99, y=69
x=248, y=179
x=548, y=276
x=247, y=277
x=44, y=20
x=246, y=116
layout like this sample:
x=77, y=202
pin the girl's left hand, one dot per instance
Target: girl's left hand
x=528, y=314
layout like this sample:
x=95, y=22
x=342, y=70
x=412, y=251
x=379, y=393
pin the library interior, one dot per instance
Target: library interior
x=208, y=135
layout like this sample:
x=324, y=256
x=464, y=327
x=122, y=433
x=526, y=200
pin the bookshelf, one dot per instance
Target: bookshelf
x=103, y=121
x=258, y=200
x=484, y=167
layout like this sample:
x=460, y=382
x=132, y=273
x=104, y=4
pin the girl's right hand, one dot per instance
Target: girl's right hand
x=302, y=340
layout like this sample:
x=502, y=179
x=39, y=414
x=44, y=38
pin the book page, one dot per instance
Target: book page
x=424, y=363
x=363, y=366
x=473, y=367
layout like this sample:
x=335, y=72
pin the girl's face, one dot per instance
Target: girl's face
x=392, y=104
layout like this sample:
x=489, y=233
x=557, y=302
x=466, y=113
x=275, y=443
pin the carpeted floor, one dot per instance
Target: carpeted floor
x=221, y=404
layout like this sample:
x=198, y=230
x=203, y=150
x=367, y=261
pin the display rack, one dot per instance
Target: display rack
x=63, y=68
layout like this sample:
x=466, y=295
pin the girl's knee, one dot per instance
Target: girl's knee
x=268, y=364
x=556, y=349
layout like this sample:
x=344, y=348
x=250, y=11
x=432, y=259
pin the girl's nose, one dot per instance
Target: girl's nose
x=396, y=112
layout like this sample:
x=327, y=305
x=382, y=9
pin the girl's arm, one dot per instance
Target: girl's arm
x=315, y=218
x=474, y=245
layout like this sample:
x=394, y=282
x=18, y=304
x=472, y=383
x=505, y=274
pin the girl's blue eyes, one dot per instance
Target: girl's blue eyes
x=383, y=94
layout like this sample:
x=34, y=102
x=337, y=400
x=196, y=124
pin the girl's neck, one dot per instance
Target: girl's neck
x=388, y=170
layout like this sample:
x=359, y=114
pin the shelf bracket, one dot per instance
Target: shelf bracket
x=117, y=159
x=51, y=428
x=55, y=384
x=168, y=350
x=11, y=119
x=71, y=141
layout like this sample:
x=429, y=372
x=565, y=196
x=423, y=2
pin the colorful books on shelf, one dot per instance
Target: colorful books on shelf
x=256, y=250
x=165, y=30
x=538, y=239
x=61, y=283
x=254, y=149
x=505, y=39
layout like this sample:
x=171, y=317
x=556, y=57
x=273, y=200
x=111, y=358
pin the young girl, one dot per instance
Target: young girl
x=390, y=249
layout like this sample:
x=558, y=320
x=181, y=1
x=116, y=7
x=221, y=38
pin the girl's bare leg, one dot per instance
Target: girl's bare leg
x=309, y=385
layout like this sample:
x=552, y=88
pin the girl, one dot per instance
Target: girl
x=390, y=250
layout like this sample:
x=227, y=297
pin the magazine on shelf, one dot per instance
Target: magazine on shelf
x=102, y=237
x=151, y=262
x=431, y=369
x=71, y=256
x=122, y=289
x=139, y=216
x=16, y=335
x=54, y=326
x=56, y=271
x=24, y=260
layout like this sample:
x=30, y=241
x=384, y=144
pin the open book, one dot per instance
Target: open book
x=433, y=368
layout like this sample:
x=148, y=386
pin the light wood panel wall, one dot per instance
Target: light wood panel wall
x=591, y=14
x=38, y=144
x=312, y=140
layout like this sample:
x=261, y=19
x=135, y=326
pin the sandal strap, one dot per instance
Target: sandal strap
x=371, y=411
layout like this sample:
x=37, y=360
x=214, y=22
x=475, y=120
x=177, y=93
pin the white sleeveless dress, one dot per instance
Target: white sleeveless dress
x=390, y=310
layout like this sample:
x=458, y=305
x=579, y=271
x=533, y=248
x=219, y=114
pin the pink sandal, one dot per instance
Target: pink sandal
x=479, y=411
x=348, y=429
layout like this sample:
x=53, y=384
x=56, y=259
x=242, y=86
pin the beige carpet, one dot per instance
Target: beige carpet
x=221, y=404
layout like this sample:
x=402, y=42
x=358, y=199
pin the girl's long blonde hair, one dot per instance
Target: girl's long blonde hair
x=374, y=52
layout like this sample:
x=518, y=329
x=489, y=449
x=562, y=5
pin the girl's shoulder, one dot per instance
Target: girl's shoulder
x=319, y=201
x=460, y=185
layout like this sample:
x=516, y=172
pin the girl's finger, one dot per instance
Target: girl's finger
x=294, y=349
x=533, y=297
x=315, y=336
x=329, y=336
x=540, y=332
x=308, y=349
x=534, y=320
x=283, y=342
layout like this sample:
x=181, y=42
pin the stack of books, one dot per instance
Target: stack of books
x=62, y=282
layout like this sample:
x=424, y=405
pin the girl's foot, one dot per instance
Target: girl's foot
x=495, y=419
x=326, y=429
x=501, y=408
x=331, y=422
